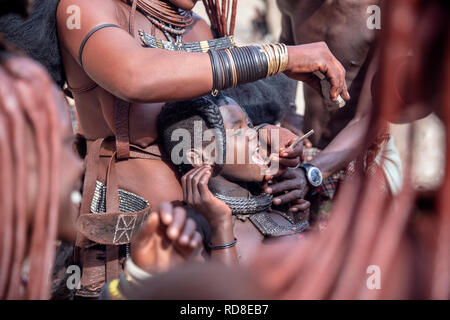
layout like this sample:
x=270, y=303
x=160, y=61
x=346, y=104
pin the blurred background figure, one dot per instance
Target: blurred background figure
x=35, y=198
x=378, y=247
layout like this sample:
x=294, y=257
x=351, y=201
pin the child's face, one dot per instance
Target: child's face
x=244, y=156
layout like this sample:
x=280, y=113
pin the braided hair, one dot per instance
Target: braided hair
x=222, y=15
x=28, y=100
x=182, y=115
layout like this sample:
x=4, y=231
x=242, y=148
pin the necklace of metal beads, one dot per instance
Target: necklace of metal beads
x=202, y=46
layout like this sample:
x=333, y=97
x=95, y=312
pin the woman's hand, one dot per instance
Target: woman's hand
x=293, y=186
x=289, y=157
x=283, y=153
x=308, y=58
x=197, y=194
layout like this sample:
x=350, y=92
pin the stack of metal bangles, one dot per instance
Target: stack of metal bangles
x=231, y=67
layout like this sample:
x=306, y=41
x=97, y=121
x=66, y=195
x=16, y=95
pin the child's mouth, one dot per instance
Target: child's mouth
x=258, y=159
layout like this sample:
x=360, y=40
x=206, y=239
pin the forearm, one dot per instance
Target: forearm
x=344, y=148
x=352, y=140
x=117, y=62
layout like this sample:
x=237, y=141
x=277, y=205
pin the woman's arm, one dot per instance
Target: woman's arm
x=114, y=60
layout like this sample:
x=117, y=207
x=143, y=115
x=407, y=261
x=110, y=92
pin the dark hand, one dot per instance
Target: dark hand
x=308, y=58
x=294, y=183
x=289, y=157
x=197, y=194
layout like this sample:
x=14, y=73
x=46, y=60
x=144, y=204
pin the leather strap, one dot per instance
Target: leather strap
x=115, y=228
x=112, y=263
x=122, y=108
x=132, y=16
x=121, y=123
x=112, y=206
x=92, y=161
x=93, y=275
x=112, y=187
x=81, y=90
x=93, y=270
x=151, y=152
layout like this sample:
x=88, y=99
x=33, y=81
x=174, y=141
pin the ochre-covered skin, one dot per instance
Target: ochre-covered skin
x=95, y=110
x=123, y=68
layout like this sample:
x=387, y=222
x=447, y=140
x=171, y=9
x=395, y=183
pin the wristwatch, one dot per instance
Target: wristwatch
x=313, y=174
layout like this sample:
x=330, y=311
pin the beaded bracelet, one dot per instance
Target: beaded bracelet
x=114, y=290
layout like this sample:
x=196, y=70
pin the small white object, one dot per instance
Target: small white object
x=75, y=197
x=341, y=102
x=326, y=87
x=135, y=272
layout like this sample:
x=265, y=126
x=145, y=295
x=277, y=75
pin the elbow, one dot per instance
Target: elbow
x=137, y=86
x=136, y=92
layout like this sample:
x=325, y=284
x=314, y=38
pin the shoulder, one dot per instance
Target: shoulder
x=199, y=20
x=75, y=18
x=87, y=8
x=76, y=15
x=201, y=27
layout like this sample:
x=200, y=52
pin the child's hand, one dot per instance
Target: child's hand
x=197, y=194
x=167, y=239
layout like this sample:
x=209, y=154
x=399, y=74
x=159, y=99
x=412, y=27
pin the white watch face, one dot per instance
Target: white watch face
x=315, y=177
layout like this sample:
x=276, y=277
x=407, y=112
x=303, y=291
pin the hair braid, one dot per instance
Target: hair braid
x=220, y=16
x=16, y=123
x=27, y=98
